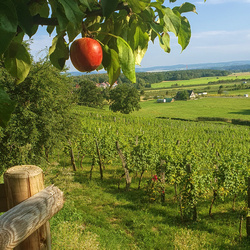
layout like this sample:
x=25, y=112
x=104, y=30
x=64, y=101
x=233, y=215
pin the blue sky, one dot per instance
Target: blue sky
x=220, y=33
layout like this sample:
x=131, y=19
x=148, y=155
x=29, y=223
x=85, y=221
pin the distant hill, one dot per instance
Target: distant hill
x=232, y=66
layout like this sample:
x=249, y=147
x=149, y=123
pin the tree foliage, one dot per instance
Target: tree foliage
x=42, y=117
x=125, y=99
x=123, y=28
x=182, y=95
x=90, y=95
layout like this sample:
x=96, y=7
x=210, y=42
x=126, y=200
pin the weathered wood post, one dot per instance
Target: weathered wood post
x=22, y=182
x=18, y=223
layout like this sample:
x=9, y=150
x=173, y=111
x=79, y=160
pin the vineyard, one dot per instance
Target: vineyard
x=200, y=161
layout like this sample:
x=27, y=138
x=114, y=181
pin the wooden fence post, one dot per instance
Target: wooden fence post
x=22, y=182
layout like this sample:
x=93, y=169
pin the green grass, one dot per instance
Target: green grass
x=226, y=107
x=97, y=215
x=198, y=81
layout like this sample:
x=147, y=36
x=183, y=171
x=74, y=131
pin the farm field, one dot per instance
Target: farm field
x=226, y=107
x=212, y=90
x=98, y=215
x=200, y=81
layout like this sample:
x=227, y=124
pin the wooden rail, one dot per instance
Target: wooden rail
x=25, y=225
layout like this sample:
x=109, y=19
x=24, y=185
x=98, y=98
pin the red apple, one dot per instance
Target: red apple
x=86, y=54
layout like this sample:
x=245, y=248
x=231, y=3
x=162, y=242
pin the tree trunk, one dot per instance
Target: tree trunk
x=100, y=159
x=124, y=165
x=139, y=185
x=212, y=203
x=82, y=161
x=72, y=157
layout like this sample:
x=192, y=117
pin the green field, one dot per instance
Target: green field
x=199, y=81
x=226, y=107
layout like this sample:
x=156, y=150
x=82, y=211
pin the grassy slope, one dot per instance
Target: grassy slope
x=232, y=108
x=97, y=215
x=198, y=81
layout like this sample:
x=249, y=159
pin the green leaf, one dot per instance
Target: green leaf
x=165, y=42
x=111, y=64
x=184, y=33
x=72, y=11
x=8, y=24
x=19, y=37
x=62, y=19
x=25, y=20
x=7, y=106
x=138, y=5
x=148, y=15
x=86, y=3
x=17, y=61
x=126, y=59
x=41, y=7
x=156, y=5
x=108, y=6
x=156, y=27
x=138, y=42
x=186, y=7
x=172, y=21
x=59, y=52
x=153, y=35
x=50, y=29
x=73, y=31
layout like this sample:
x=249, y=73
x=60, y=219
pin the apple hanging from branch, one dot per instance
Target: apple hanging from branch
x=86, y=54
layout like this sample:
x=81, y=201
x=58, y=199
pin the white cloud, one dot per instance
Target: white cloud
x=218, y=36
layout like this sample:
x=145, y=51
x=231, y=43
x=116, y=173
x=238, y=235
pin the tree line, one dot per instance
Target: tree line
x=145, y=79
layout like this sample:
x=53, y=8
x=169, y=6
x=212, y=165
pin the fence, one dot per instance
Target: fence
x=28, y=206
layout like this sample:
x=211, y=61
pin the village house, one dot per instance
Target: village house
x=106, y=85
x=191, y=93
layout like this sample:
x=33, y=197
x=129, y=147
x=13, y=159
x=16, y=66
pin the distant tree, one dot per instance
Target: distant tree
x=142, y=92
x=220, y=91
x=106, y=94
x=90, y=95
x=182, y=95
x=140, y=83
x=125, y=99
